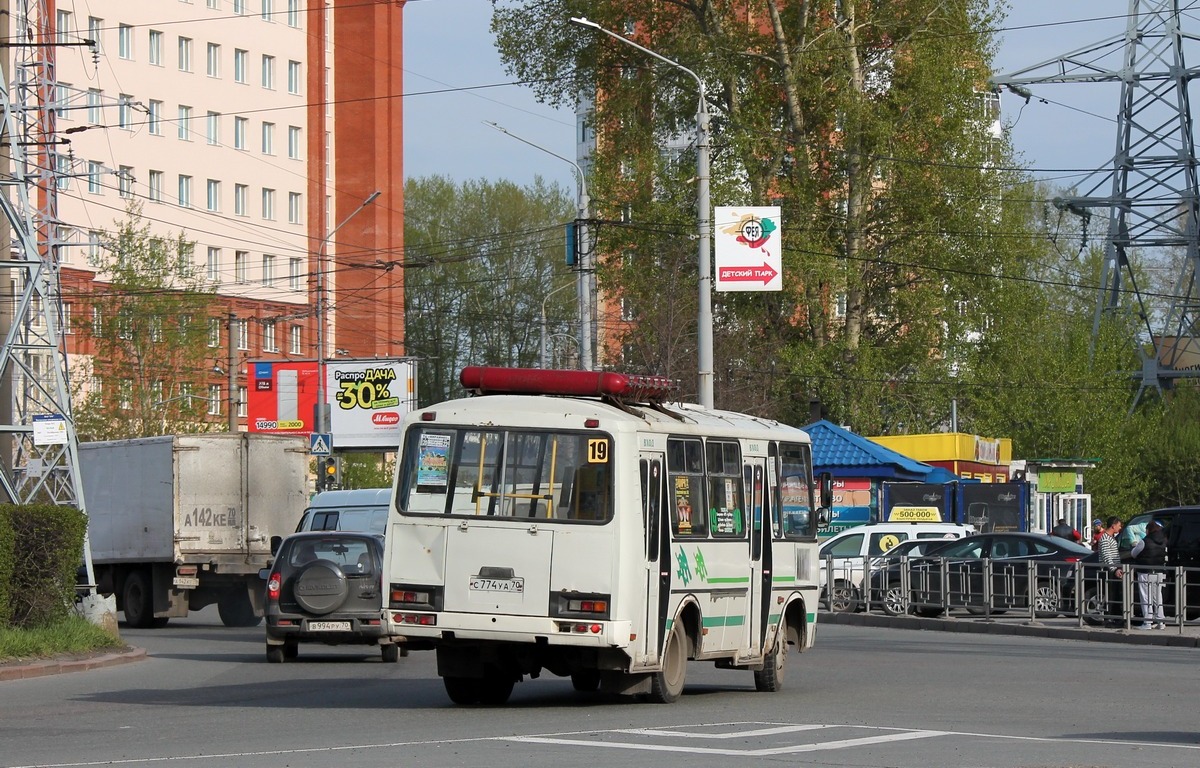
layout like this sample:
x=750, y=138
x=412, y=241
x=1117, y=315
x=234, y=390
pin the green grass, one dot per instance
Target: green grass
x=70, y=635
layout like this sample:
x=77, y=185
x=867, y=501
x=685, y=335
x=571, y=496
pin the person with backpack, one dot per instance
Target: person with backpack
x=1150, y=555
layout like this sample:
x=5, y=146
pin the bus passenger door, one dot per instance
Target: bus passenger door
x=657, y=554
x=758, y=603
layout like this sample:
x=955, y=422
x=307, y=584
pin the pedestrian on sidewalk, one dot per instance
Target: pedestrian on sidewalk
x=1097, y=532
x=1150, y=555
x=1110, y=558
x=1064, y=530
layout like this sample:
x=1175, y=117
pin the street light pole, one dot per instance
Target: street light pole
x=321, y=310
x=704, y=319
x=587, y=310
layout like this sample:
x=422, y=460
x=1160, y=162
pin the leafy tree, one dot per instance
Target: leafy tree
x=481, y=259
x=148, y=332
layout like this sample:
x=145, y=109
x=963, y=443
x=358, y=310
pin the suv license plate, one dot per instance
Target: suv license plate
x=328, y=626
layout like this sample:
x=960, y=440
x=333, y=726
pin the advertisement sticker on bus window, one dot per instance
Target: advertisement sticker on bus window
x=433, y=460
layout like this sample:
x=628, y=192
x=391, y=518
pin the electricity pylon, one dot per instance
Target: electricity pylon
x=38, y=443
x=1150, y=189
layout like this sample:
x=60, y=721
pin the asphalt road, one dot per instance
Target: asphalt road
x=864, y=697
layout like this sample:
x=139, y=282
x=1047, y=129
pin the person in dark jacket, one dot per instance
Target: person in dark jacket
x=1149, y=556
x=1063, y=530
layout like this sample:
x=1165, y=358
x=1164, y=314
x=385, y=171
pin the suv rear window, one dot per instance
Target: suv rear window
x=352, y=555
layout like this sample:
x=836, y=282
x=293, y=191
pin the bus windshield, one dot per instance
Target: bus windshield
x=537, y=474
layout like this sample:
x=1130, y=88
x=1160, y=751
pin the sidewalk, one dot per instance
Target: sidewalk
x=1061, y=628
x=20, y=670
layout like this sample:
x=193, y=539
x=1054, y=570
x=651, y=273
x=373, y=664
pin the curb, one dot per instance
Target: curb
x=21, y=670
x=1027, y=629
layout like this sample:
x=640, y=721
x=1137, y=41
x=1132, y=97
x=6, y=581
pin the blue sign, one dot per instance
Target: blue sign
x=320, y=443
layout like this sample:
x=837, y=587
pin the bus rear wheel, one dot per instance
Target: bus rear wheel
x=462, y=690
x=667, y=685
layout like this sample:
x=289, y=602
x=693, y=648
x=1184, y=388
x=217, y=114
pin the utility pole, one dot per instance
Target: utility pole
x=231, y=371
x=1150, y=191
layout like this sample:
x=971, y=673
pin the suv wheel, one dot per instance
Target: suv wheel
x=321, y=587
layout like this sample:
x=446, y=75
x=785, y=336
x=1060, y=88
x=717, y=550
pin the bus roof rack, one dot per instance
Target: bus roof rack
x=621, y=387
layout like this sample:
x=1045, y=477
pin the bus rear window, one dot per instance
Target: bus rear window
x=506, y=473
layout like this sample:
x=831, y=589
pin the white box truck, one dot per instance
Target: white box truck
x=180, y=522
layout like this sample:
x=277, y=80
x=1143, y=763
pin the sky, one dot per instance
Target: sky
x=448, y=46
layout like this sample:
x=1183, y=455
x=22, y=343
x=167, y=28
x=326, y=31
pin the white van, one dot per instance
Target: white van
x=365, y=509
x=852, y=548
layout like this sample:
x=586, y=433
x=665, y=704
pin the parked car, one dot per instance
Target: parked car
x=955, y=576
x=326, y=587
x=850, y=549
x=1182, y=528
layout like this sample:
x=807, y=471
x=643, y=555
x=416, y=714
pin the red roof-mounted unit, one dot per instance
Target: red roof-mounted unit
x=484, y=380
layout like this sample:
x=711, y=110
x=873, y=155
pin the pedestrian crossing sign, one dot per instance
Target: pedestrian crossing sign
x=320, y=443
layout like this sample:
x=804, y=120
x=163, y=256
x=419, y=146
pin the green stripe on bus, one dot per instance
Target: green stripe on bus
x=730, y=580
x=724, y=621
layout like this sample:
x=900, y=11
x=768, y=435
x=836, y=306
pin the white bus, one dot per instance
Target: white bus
x=575, y=522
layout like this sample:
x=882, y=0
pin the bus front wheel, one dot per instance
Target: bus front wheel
x=770, y=678
x=666, y=685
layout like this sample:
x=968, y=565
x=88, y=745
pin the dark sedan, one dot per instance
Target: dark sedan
x=956, y=576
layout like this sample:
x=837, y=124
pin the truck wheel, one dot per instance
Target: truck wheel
x=137, y=600
x=321, y=587
x=236, y=610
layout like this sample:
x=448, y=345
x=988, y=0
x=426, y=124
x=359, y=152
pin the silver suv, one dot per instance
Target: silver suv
x=325, y=587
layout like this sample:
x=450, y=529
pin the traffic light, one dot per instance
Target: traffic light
x=329, y=473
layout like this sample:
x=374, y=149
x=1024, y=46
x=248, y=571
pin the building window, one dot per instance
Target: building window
x=268, y=204
x=95, y=27
x=185, y=123
x=185, y=191
x=294, y=340
x=243, y=335
x=295, y=75
x=97, y=322
x=268, y=10
x=239, y=7
x=214, y=195
x=125, y=41
x=214, y=399
x=268, y=138
x=239, y=132
x=62, y=168
x=213, y=128
x=63, y=21
x=239, y=265
x=269, y=336
x=242, y=408
x=155, y=117
x=241, y=194
x=214, y=265
x=295, y=265
x=95, y=114
x=125, y=181
x=293, y=13
x=125, y=111
x=213, y=67
x=185, y=54
x=66, y=318
x=93, y=249
x=268, y=269
x=62, y=100
x=295, y=211
x=214, y=332
x=156, y=186
x=94, y=169
x=156, y=48
x=294, y=138
x=240, y=58
x=214, y=4
x=268, y=72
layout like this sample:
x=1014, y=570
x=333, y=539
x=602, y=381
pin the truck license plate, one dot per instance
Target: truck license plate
x=186, y=582
x=328, y=626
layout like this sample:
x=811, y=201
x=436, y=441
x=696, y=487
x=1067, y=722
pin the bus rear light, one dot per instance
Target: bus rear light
x=429, y=416
x=587, y=606
x=273, y=586
x=580, y=606
x=409, y=596
x=420, y=619
x=418, y=597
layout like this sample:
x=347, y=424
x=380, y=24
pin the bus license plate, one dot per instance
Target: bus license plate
x=328, y=626
x=516, y=585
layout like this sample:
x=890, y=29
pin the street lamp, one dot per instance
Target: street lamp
x=321, y=309
x=704, y=319
x=586, y=291
x=545, y=354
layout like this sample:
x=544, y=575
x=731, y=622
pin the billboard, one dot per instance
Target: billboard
x=749, y=255
x=281, y=397
x=367, y=400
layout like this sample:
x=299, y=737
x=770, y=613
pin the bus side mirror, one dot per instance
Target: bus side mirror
x=826, y=500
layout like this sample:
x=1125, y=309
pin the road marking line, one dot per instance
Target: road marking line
x=841, y=744
x=730, y=735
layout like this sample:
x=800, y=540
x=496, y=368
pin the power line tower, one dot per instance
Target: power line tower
x=38, y=444
x=1150, y=190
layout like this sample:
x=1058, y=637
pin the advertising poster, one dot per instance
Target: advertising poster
x=748, y=249
x=367, y=400
x=281, y=396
